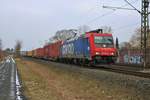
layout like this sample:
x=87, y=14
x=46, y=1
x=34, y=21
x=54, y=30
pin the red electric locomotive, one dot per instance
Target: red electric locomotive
x=102, y=47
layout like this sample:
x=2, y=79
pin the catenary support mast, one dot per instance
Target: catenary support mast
x=144, y=30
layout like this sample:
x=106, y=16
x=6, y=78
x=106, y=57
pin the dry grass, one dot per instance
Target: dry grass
x=42, y=82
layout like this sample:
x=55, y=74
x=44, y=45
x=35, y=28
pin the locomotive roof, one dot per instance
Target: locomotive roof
x=98, y=34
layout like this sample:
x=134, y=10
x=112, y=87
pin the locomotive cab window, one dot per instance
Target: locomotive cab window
x=103, y=40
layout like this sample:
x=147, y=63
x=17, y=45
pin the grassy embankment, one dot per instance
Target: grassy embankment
x=45, y=82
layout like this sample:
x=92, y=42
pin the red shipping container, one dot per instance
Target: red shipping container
x=40, y=52
x=55, y=49
x=52, y=51
x=46, y=51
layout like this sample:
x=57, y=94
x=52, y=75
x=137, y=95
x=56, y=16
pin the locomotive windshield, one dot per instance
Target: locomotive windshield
x=103, y=40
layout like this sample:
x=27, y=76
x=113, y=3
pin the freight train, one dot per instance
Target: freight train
x=93, y=47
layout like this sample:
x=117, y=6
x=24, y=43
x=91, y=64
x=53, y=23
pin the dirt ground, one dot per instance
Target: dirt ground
x=46, y=82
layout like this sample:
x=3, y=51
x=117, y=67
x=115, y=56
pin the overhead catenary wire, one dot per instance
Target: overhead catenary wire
x=132, y=6
x=114, y=8
x=101, y=16
x=108, y=13
x=127, y=26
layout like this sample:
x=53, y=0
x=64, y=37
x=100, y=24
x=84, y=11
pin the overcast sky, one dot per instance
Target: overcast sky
x=34, y=21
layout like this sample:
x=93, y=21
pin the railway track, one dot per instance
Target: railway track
x=128, y=70
x=125, y=70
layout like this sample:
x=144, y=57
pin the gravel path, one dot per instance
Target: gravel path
x=8, y=80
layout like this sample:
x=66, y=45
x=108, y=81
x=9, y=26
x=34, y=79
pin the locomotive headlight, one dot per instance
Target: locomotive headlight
x=97, y=53
x=112, y=53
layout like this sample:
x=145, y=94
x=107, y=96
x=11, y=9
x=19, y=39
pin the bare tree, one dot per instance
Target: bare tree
x=135, y=39
x=0, y=44
x=18, y=47
x=64, y=34
x=125, y=45
x=0, y=49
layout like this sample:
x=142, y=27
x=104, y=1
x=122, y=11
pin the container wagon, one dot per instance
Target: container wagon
x=46, y=51
x=40, y=52
x=29, y=53
x=54, y=50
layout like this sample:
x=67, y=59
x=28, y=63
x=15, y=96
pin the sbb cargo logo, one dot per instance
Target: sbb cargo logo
x=68, y=49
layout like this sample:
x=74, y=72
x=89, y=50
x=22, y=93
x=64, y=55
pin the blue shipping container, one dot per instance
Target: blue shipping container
x=78, y=48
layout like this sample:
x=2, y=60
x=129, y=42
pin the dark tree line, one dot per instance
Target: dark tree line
x=18, y=48
x=0, y=49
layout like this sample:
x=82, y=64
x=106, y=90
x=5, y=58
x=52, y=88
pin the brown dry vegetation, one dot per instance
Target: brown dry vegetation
x=1, y=56
x=42, y=82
